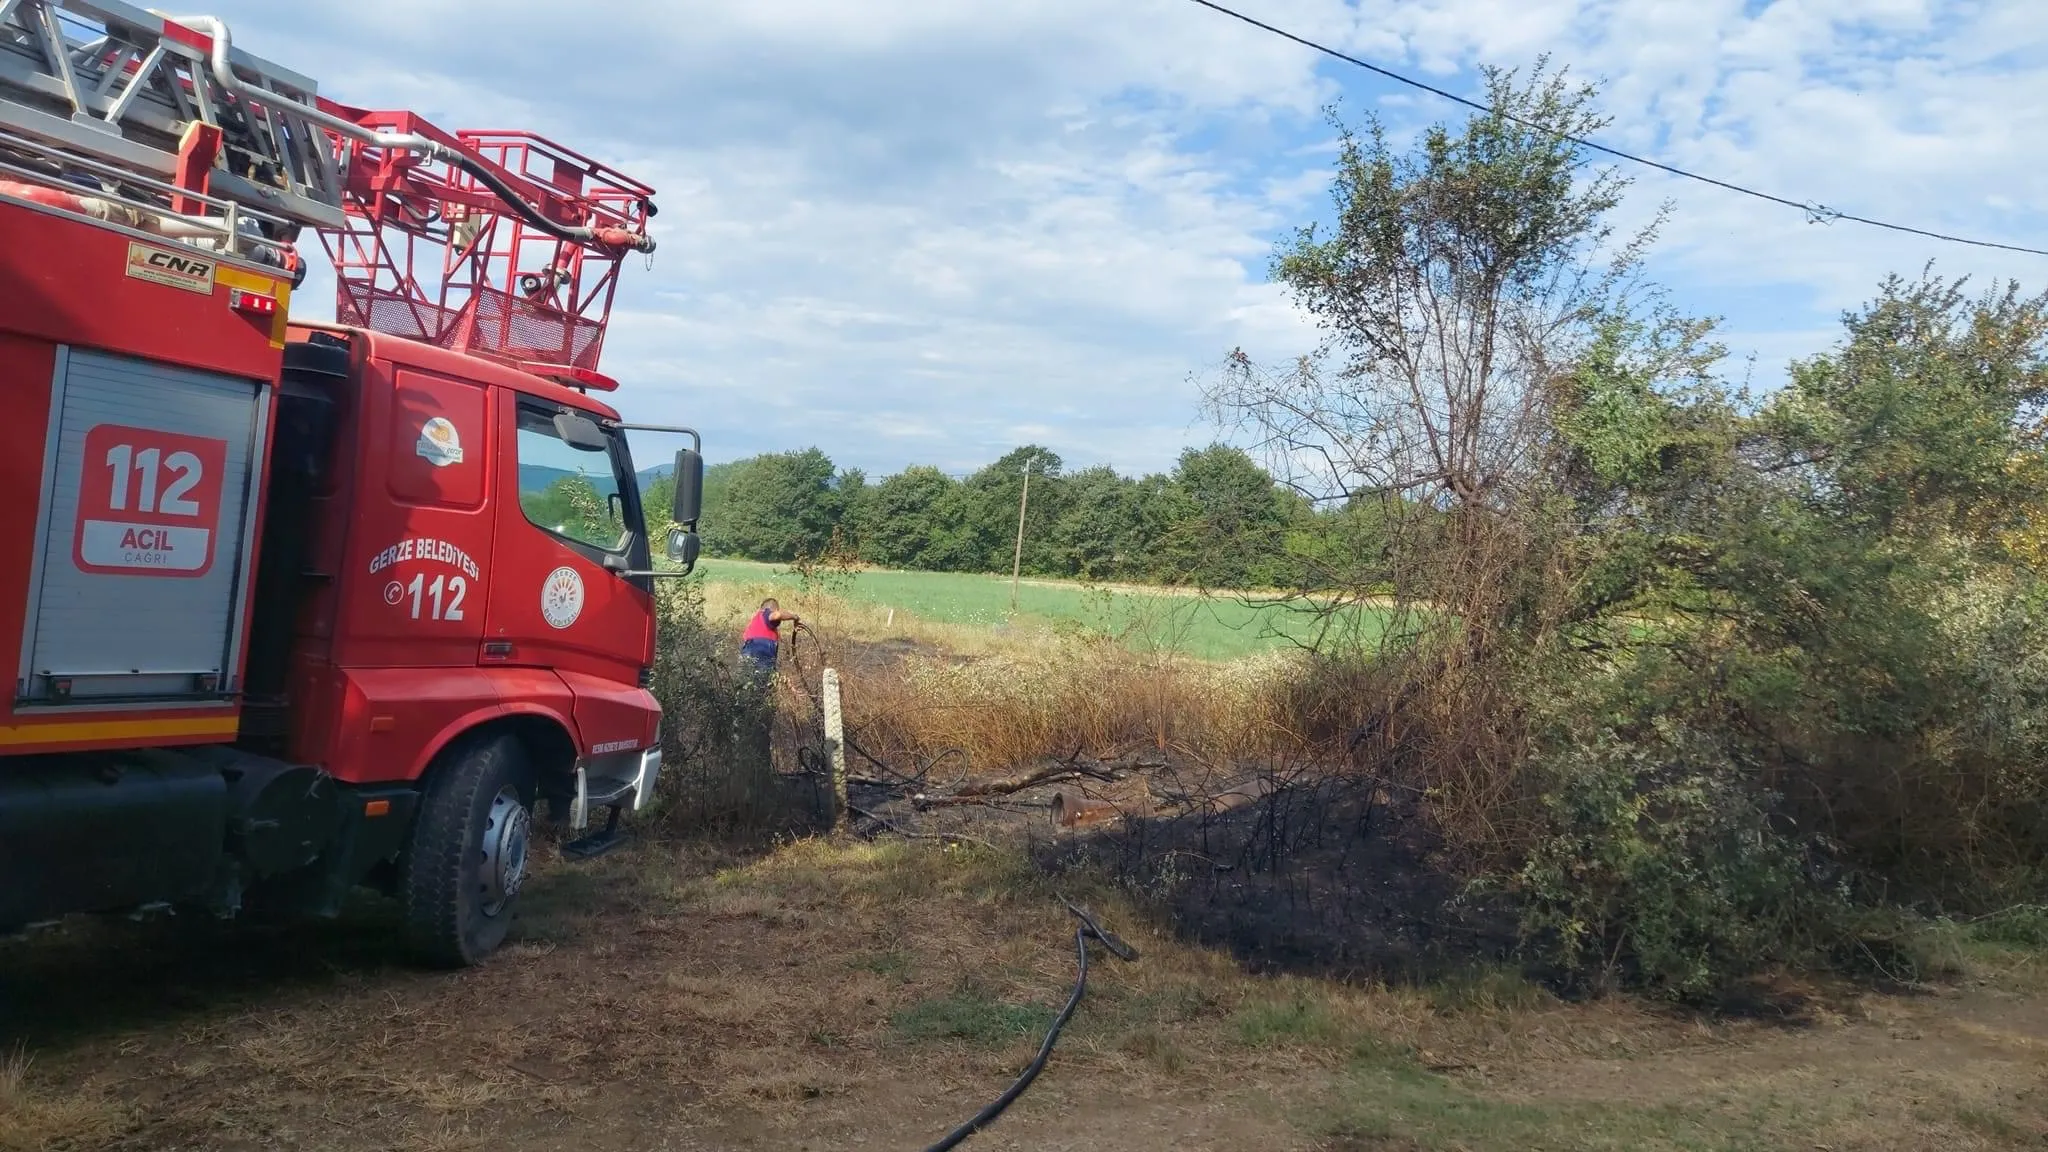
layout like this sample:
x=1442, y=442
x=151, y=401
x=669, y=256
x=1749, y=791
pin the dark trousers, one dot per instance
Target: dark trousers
x=761, y=653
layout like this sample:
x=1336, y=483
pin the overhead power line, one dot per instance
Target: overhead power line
x=1816, y=212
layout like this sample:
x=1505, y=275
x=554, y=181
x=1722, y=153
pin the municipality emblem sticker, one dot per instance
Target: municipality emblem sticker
x=439, y=443
x=561, y=597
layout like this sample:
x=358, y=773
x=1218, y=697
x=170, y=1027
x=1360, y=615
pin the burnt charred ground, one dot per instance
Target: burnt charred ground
x=846, y=993
x=1318, y=876
x=1290, y=871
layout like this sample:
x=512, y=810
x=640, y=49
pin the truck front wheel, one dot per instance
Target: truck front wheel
x=467, y=859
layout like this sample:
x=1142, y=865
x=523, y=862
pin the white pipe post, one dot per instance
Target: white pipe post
x=835, y=743
x=1017, y=559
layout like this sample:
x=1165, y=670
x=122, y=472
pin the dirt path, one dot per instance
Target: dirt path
x=872, y=998
x=621, y=1020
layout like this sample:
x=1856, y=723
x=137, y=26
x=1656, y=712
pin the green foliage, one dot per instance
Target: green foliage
x=1228, y=522
x=1838, y=648
x=773, y=507
x=914, y=519
x=572, y=506
x=1912, y=427
x=1656, y=856
x=1447, y=286
x=2021, y=926
x=657, y=501
x=1804, y=663
x=717, y=773
x=1108, y=524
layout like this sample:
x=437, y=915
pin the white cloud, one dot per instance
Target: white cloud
x=917, y=231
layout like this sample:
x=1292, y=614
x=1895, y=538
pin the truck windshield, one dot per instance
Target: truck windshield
x=571, y=492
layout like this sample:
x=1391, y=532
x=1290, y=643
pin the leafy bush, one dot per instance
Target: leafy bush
x=718, y=772
x=1658, y=866
x=2022, y=926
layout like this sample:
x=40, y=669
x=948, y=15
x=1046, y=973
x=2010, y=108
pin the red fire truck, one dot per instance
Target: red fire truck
x=303, y=607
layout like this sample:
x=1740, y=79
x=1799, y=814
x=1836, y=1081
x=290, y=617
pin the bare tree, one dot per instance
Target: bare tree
x=1460, y=285
x=1454, y=285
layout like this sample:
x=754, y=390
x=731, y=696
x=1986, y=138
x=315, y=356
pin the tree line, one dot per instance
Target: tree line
x=1217, y=519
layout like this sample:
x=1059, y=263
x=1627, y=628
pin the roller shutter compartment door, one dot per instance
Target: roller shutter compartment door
x=142, y=570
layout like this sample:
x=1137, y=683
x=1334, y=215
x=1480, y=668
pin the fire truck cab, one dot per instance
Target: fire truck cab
x=296, y=607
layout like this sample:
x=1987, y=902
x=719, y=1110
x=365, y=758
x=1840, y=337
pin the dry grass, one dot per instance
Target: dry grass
x=948, y=963
x=918, y=689
x=36, y=1116
x=1066, y=697
x=1012, y=697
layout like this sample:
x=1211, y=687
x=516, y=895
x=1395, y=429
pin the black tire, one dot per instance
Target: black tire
x=463, y=849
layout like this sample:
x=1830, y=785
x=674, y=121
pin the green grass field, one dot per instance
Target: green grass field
x=1211, y=627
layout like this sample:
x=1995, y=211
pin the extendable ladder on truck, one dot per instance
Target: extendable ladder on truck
x=528, y=235
x=125, y=86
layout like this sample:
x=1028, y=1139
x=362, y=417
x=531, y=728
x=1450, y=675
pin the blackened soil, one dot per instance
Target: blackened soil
x=1323, y=875
x=1328, y=877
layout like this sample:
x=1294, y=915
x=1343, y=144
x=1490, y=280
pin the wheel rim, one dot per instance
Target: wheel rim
x=503, y=867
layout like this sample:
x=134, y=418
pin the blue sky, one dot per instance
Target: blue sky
x=926, y=231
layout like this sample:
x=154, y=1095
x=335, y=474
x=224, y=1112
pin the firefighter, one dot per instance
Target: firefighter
x=763, y=637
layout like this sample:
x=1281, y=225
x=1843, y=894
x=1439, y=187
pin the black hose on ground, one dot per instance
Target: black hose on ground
x=797, y=631
x=1088, y=928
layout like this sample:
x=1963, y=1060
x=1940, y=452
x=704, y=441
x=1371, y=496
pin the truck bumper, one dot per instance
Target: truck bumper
x=650, y=774
x=625, y=782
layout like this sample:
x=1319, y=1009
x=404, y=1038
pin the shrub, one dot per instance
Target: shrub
x=718, y=770
x=1657, y=865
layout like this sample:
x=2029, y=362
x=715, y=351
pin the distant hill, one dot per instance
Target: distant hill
x=538, y=476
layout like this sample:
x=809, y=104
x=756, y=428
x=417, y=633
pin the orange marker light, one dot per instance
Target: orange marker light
x=376, y=808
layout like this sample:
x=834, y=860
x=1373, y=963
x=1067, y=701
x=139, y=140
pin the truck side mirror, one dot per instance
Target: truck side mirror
x=580, y=432
x=689, y=499
x=683, y=547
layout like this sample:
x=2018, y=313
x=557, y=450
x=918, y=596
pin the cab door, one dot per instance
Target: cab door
x=570, y=522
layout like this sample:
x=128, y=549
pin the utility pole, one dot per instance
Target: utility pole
x=1017, y=561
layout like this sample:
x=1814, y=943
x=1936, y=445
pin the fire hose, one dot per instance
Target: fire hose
x=1087, y=929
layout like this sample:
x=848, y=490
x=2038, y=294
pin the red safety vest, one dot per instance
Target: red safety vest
x=759, y=628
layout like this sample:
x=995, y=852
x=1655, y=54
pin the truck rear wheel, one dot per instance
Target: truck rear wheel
x=467, y=859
